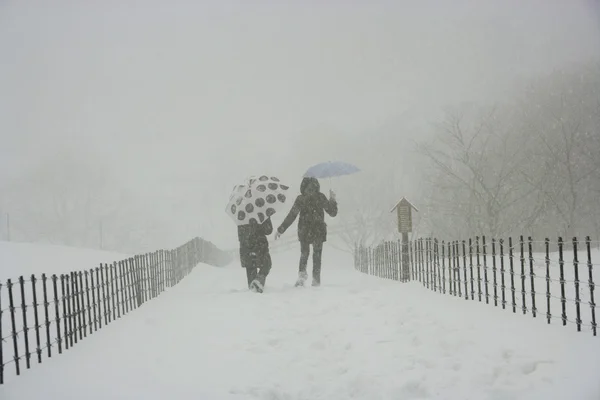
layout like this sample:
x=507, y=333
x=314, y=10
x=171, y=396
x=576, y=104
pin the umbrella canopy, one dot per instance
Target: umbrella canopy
x=257, y=199
x=330, y=169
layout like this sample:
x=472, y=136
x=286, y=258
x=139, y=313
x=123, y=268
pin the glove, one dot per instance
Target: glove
x=277, y=235
x=332, y=195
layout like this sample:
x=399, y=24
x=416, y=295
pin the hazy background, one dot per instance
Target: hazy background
x=136, y=118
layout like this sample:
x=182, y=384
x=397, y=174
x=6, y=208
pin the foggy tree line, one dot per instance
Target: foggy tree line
x=66, y=200
x=528, y=167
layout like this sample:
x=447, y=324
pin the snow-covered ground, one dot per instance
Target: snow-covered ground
x=546, y=287
x=356, y=337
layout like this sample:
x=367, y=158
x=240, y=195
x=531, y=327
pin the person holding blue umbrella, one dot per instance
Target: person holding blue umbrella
x=311, y=205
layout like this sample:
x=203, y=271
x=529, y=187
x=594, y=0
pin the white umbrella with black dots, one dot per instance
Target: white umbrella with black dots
x=258, y=199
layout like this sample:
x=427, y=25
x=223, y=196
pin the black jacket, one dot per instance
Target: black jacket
x=311, y=204
x=254, y=246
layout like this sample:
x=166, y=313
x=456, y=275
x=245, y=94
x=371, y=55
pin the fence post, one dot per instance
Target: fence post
x=11, y=303
x=64, y=309
x=443, y=267
x=95, y=288
x=577, y=297
x=145, y=277
x=99, y=302
x=46, y=313
x=485, y=271
x=451, y=277
x=532, y=277
x=123, y=288
x=129, y=284
x=523, y=292
x=464, y=250
x=590, y=282
x=438, y=266
x=561, y=264
x=434, y=265
x=89, y=304
x=57, y=312
x=70, y=309
x=494, y=272
x=75, y=305
x=456, y=261
x=113, y=294
x=105, y=293
x=512, y=274
x=36, y=320
x=502, y=272
x=471, y=269
x=25, y=327
x=413, y=268
x=548, y=295
x=428, y=262
x=479, y=293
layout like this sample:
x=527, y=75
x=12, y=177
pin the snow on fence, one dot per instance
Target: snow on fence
x=44, y=316
x=556, y=282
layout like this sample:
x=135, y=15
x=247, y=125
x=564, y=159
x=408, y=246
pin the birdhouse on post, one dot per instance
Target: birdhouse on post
x=404, y=211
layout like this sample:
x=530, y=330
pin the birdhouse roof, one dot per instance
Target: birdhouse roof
x=404, y=201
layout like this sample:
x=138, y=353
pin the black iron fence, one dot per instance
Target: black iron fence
x=552, y=280
x=44, y=316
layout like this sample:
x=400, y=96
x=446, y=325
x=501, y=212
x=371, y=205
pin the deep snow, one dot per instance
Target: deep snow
x=356, y=337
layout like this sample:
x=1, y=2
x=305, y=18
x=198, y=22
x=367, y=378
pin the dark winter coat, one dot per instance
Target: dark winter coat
x=254, y=246
x=311, y=205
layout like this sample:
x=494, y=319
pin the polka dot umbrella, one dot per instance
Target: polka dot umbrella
x=258, y=199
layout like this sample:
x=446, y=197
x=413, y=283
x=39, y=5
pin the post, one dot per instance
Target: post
x=590, y=282
x=485, y=271
x=57, y=313
x=46, y=313
x=561, y=264
x=25, y=326
x=13, y=322
x=503, y=283
x=36, y=319
x=404, y=215
x=512, y=274
x=548, y=295
x=479, y=293
x=471, y=269
x=70, y=310
x=90, y=305
x=523, y=292
x=576, y=281
x=464, y=250
x=81, y=304
x=95, y=299
x=532, y=277
x=494, y=272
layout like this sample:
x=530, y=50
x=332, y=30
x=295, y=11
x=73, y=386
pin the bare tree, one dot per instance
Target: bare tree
x=474, y=171
x=562, y=112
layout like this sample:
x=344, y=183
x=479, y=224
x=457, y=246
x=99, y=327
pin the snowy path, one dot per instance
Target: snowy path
x=356, y=337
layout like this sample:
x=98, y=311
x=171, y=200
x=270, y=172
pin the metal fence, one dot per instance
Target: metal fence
x=557, y=281
x=47, y=315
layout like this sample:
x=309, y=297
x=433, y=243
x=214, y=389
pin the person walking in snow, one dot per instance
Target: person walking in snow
x=254, y=252
x=311, y=205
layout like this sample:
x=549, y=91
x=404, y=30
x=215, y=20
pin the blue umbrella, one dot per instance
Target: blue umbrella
x=330, y=169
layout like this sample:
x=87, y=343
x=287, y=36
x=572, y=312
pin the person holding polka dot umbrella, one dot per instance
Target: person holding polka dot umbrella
x=251, y=207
